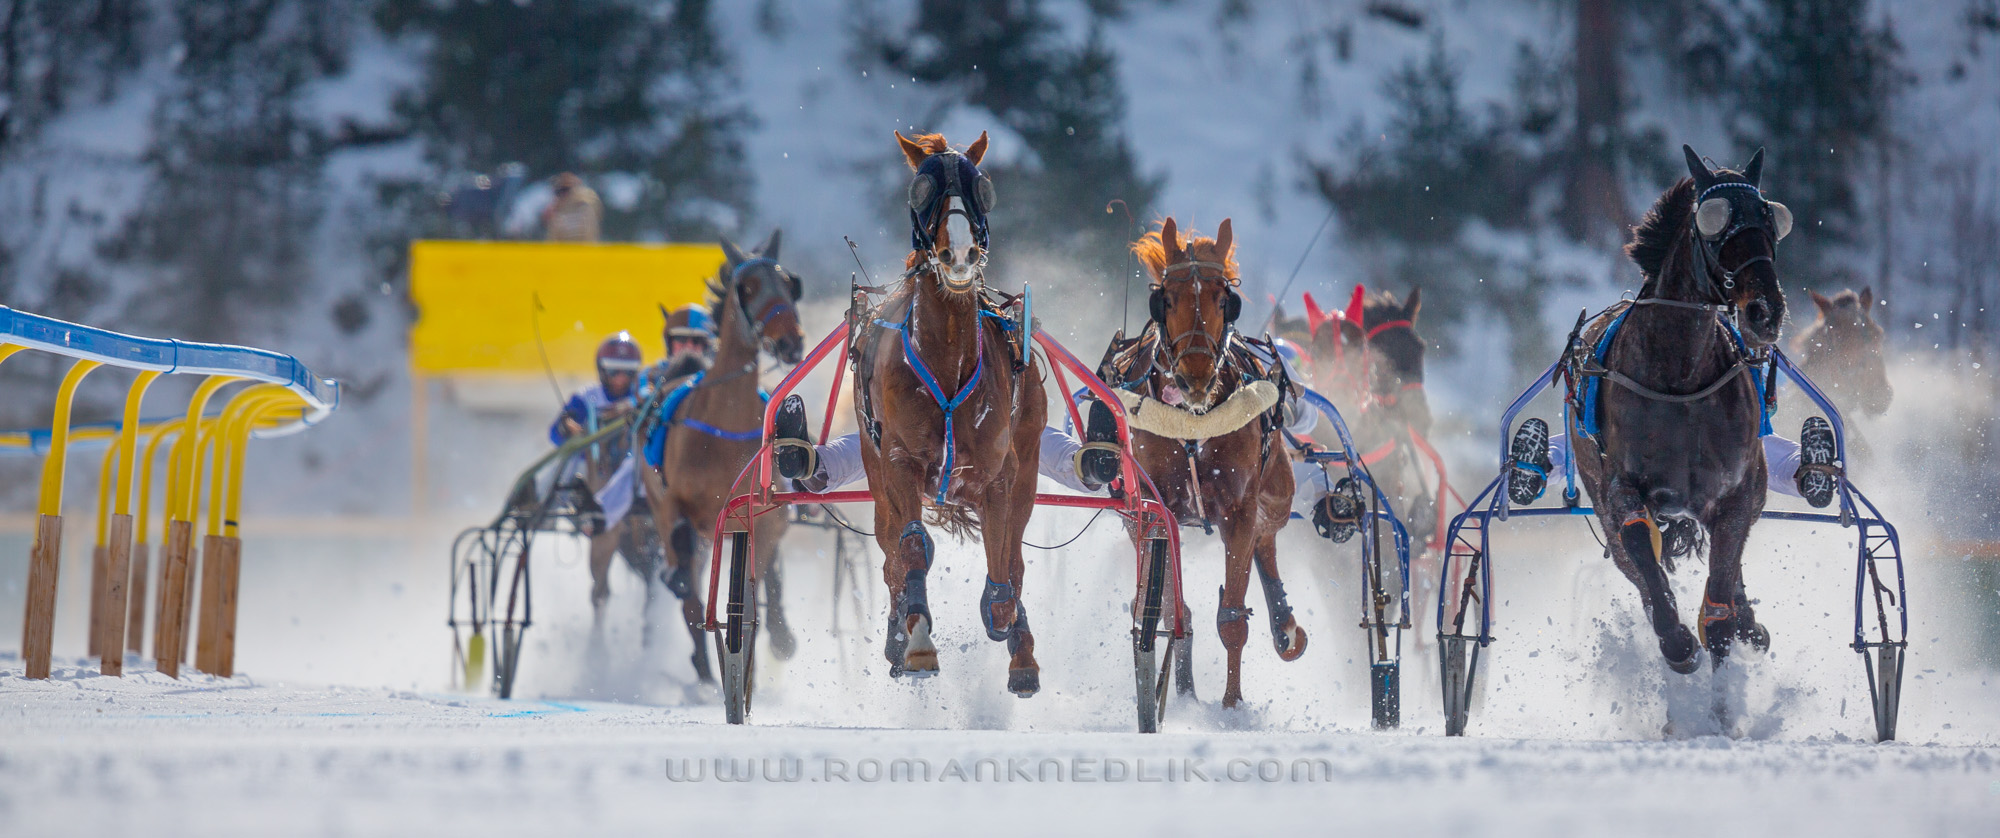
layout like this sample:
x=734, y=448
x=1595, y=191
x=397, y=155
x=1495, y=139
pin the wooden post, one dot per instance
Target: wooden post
x=170, y=626
x=39, y=619
x=135, y=619
x=99, y=583
x=231, y=572
x=212, y=570
x=113, y=608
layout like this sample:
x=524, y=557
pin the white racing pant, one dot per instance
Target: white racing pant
x=1781, y=461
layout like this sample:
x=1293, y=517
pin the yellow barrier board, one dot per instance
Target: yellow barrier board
x=476, y=310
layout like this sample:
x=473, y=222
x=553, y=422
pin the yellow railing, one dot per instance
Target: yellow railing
x=282, y=397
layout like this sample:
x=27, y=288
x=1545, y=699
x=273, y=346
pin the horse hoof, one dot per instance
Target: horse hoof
x=1024, y=683
x=920, y=658
x=1679, y=648
x=1291, y=643
x=1757, y=636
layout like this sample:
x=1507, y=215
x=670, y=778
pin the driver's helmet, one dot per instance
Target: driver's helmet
x=618, y=353
x=690, y=323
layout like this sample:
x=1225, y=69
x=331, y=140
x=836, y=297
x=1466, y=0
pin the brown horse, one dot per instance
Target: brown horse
x=952, y=422
x=717, y=428
x=1240, y=479
x=1842, y=352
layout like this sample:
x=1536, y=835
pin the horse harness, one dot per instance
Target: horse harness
x=1122, y=368
x=990, y=304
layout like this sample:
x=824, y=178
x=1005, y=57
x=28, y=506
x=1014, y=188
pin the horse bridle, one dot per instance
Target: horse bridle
x=770, y=301
x=1707, y=250
x=1211, y=346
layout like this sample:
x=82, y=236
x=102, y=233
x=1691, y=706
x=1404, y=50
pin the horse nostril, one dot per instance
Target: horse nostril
x=1758, y=310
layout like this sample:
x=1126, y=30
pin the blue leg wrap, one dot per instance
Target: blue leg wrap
x=995, y=594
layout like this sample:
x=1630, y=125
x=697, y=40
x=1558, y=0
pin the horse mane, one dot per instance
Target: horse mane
x=1661, y=228
x=1152, y=253
x=932, y=144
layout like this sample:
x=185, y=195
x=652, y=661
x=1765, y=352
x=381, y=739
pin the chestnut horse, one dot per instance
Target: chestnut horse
x=1842, y=352
x=1681, y=403
x=952, y=421
x=1191, y=360
x=718, y=427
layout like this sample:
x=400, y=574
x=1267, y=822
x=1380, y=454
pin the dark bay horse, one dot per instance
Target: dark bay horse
x=1842, y=352
x=718, y=427
x=1369, y=361
x=1680, y=402
x=1191, y=360
x=952, y=421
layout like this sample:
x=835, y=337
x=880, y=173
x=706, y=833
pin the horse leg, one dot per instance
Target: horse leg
x=601, y=548
x=1000, y=607
x=1286, y=635
x=1638, y=543
x=680, y=582
x=783, y=643
x=907, y=551
x=1726, y=615
x=1232, y=618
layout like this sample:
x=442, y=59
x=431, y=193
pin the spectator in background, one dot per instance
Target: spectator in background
x=576, y=214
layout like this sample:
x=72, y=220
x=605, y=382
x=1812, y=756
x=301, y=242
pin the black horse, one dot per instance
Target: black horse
x=1681, y=406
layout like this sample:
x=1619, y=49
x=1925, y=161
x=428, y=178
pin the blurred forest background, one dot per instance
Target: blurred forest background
x=253, y=170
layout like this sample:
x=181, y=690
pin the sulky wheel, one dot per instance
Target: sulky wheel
x=1148, y=673
x=736, y=645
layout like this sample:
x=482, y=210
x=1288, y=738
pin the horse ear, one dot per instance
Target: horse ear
x=733, y=254
x=1170, y=238
x=912, y=152
x=769, y=249
x=1314, y=316
x=1825, y=305
x=1703, y=178
x=664, y=313
x=1756, y=168
x=1868, y=301
x=1225, y=238
x=1415, y=303
x=977, y=151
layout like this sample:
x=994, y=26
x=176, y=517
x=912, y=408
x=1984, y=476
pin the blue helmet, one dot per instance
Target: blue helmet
x=689, y=321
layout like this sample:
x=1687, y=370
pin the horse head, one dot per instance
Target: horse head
x=764, y=296
x=1844, y=349
x=1391, y=355
x=949, y=200
x=1194, y=303
x=1733, y=232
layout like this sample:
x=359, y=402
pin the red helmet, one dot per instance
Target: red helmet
x=619, y=353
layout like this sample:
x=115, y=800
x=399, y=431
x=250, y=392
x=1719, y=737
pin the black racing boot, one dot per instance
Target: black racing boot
x=1097, y=464
x=1529, y=473
x=589, y=515
x=792, y=446
x=1337, y=515
x=1815, y=477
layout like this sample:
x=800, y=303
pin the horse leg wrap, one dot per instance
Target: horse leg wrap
x=1015, y=634
x=1640, y=531
x=679, y=581
x=997, y=593
x=1281, y=612
x=916, y=530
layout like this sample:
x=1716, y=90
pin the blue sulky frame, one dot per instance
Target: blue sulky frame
x=1384, y=625
x=1877, y=542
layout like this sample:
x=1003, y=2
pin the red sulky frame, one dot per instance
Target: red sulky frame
x=1157, y=549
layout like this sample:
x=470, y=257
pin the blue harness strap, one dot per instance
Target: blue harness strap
x=670, y=407
x=1592, y=419
x=948, y=405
